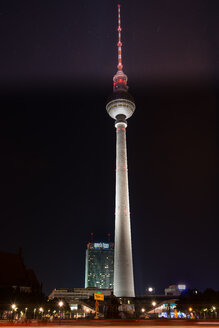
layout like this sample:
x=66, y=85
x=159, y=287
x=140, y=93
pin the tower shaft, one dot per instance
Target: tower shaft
x=123, y=264
x=120, y=107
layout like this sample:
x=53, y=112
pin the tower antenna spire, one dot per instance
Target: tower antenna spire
x=120, y=79
x=119, y=44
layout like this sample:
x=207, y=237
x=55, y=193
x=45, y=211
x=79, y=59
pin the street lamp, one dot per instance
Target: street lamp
x=154, y=304
x=13, y=306
x=215, y=312
x=41, y=310
x=142, y=310
x=34, y=313
x=61, y=303
x=191, y=314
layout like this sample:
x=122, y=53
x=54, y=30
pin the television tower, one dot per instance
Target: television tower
x=121, y=106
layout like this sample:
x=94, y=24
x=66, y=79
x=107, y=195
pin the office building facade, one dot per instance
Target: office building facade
x=99, y=266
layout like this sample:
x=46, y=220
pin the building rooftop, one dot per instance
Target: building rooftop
x=100, y=246
x=13, y=272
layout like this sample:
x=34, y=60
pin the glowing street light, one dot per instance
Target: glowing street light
x=154, y=304
x=150, y=289
x=191, y=313
x=13, y=306
x=60, y=304
x=215, y=311
x=142, y=310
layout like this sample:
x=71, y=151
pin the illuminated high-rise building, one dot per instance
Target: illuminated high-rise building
x=99, y=265
x=121, y=106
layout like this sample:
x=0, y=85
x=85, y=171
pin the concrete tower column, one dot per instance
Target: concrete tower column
x=120, y=107
x=123, y=265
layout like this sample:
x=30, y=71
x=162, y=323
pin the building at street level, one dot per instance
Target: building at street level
x=120, y=107
x=99, y=266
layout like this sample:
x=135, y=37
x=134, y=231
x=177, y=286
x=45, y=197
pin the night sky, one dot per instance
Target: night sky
x=57, y=168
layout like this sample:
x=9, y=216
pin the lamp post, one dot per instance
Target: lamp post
x=191, y=314
x=13, y=306
x=41, y=310
x=154, y=304
x=34, y=313
x=142, y=312
x=215, y=312
x=61, y=303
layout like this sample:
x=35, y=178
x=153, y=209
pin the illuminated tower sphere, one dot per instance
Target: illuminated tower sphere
x=120, y=107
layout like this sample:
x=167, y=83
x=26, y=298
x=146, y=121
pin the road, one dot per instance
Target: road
x=117, y=323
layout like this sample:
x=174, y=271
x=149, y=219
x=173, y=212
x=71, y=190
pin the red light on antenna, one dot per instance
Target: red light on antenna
x=118, y=6
x=92, y=233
